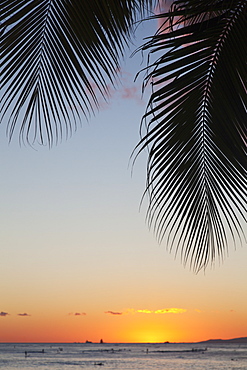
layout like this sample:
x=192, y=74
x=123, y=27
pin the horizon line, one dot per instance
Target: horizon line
x=99, y=342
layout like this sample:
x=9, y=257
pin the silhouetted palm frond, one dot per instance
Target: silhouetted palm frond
x=195, y=128
x=54, y=55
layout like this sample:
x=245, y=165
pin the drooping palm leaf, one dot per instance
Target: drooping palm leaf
x=55, y=55
x=195, y=128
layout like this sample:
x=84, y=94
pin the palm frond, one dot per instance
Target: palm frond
x=56, y=57
x=195, y=128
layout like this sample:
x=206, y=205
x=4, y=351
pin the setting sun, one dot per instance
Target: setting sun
x=150, y=337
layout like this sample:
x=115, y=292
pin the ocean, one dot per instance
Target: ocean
x=75, y=356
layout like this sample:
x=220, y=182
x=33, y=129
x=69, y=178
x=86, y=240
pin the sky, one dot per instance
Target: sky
x=78, y=261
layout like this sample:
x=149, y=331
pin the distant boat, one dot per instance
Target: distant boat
x=101, y=341
x=88, y=341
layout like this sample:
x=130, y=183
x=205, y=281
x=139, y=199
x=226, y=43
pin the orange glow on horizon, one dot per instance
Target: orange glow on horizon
x=191, y=326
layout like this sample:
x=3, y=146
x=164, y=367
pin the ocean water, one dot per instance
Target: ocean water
x=68, y=356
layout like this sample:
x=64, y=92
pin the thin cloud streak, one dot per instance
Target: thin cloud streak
x=144, y=311
x=77, y=314
x=114, y=313
x=164, y=311
x=3, y=314
x=132, y=311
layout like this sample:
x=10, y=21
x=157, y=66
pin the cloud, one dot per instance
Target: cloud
x=163, y=311
x=77, y=314
x=114, y=313
x=171, y=310
x=129, y=92
x=132, y=93
x=80, y=313
x=23, y=314
x=3, y=314
x=145, y=311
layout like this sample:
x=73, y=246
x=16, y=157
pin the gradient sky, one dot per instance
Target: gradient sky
x=77, y=259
